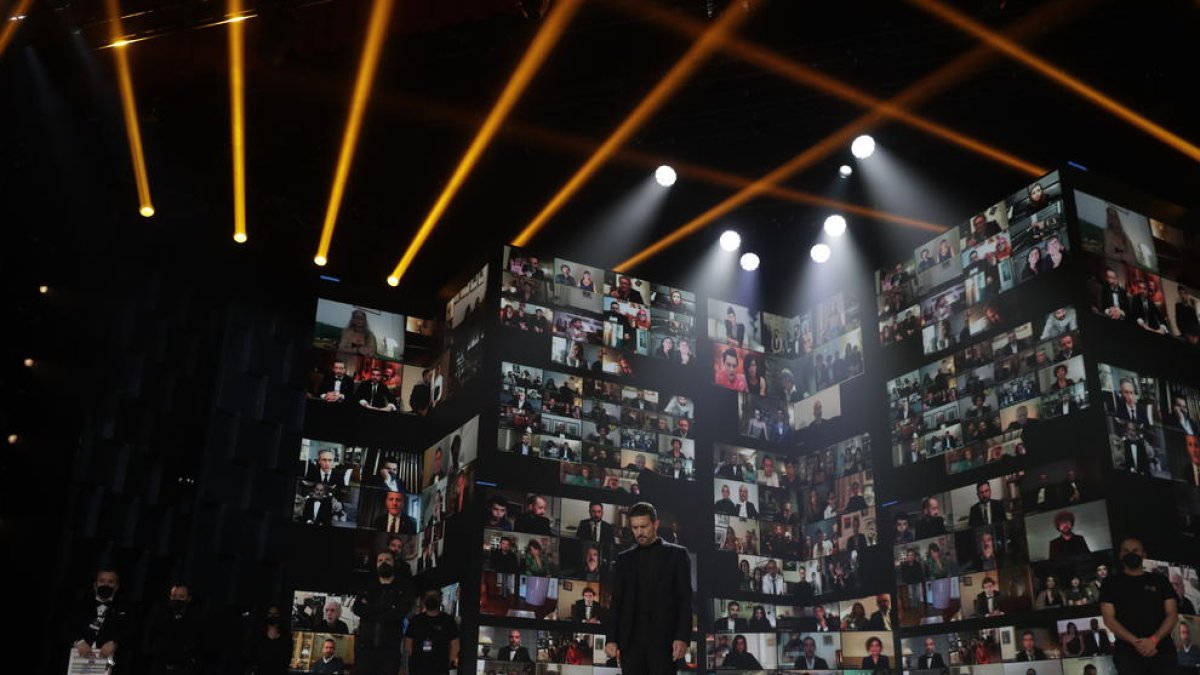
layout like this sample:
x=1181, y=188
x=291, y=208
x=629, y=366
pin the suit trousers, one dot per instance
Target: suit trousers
x=641, y=658
x=1129, y=662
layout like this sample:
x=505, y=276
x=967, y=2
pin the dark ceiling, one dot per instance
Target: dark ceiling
x=67, y=174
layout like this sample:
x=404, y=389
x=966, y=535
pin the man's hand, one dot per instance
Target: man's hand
x=1146, y=647
x=612, y=650
x=678, y=648
x=107, y=649
x=84, y=649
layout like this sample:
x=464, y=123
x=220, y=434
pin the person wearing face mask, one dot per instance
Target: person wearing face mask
x=172, y=637
x=1140, y=608
x=381, y=609
x=269, y=648
x=431, y=640
x=101, y=624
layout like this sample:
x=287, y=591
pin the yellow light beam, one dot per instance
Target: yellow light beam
x=1058, y=75
x=381, y=13
x=774, y=62
x=547, y=36
x=12, y=22
x=237, y=110
x=916, y=93
x=129, y=109
x=674, y=78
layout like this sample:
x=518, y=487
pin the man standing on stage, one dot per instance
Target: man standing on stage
x=650, y=619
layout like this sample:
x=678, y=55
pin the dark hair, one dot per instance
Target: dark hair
x=982, y=483
x=591, y=504
x=1065, y=516
x=1029, y=633
x=872, y=640
x=498, y=500
x=733, y=603
x=988, y=580
x=643, y=509
x=729, y=351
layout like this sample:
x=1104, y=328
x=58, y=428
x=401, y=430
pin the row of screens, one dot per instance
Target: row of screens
x=405, y=495
x=1013, y=241
x=528, y=651
x=789, y=378
x=1152, y=424
x=796, y=336
x=969, y=408
x=604, y=434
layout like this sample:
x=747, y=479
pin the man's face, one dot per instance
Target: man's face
x=438, y=458
x=985, y=492
x=376, y=375
x=514, y=638
x=505, y=545
x=989, y=587
x=685, y=425
x=640, y=461
x=339, y=369
x=743, y=493
x=645, y=529
x=1022, y=414
x=318, y=491
x=929, y=646
x=396, y=545
x=768, y=466
x=589, y=596
x=332, y=613
x=325, y=459
x=1102, y=572
x=384, y=557
x=394, y=503
x=988, y=543
x=538, y=508
x=912, y=556
x=534, y=262
x=725, y=492
x=734, y=610
x=1193, y=448
x=810, y=647
x=876, y=646
x=933, y=507
x=389, y=469
x=901, y=526
x=1027, y=642
x=730, y=364
x=1054, y=246
x=1064, y=526
x=596, y=511
x=108, y=578
x=182, y=594
x=499, y=511
x=328, y=649
x=1066, y=343
x=625, y=284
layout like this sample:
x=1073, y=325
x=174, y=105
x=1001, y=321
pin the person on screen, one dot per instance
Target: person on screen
x=357, y=339
x=986, y=511
x=725, y=506
x=323, y=471
x=1067, y=544
x=534, y=564
x=1189, y=652
x=1055, y=254
x=1029, y=649
x=534, y=519
x=524, y=445
x=329, y=661
x=759, y=622
x=421, y=396
x=786, y=515
x=730, y=376
x=336, y=384
x=564, y=276
x=739, y=656
x=372, y=394
x=587, y=609
x=987, y=602
x=385, y=479
x=883, y=618
x=394, y=520
x=912, y=573
x=680, y=406
x=744, y=508
x=686, y=357
x=586, y=283
x=808, y=659
x=732, y=621
x=594, y=528
x=856, y=502
x=1180, y=419
x=514, y=651
x=772, y=580
x=1143, y=311
x=1187, y=322
x=638, y=464
x=666, y=350
x=1061, y=381
x=904, y=534
x=1139, y=456
x=735, y=331
x=926, y=261
x=1128, y=407
x=756, y=381
x=787, y=380
x=625, y=291
x=381, y=609
x=1050, y=597
x=930, y=658
x=1114, y=301
x=172, y=634
x=1061, y=321
x=503, y=557
x=767, y=476
x=318, y=507
x=683, y=428
x=875, y=660
x=930, y=523
x=1097, y=642
x=935, y=565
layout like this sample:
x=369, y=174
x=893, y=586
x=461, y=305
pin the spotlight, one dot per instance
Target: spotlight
x=239, y=237
x=320, y=260
x=393, y=280
x=835, y=225
x=845, y=170
x=863, y=147
x=119, y=43
x=730, y=240
x=13, y=438
x=749, y=261
x=147, y=211
x=665, y=175
x=28, y=363
x=820, y=253
x=43, y=289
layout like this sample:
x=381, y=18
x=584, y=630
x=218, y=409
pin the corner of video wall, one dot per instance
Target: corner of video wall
x=366, y=493
x=999, y=569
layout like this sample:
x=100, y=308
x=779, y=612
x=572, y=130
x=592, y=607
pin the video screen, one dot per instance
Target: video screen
x=467, y=302
x=358, y=334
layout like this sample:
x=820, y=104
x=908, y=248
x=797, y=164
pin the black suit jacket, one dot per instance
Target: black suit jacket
x=1140, y=307
x=977, y=518
x=1106, y=299
x=818, y=663
x=1038, y=655
x=579, y=611
x=381, y=397
x=324, y=516
x=327, y=381
x=930, y=661
x=670, y=593
x=881, y=664
x=1090, y=646
x=981, y=607
x=407, y=524
x=1141, y=414
x=739, y=625
x=876, y=620
x=522, y=654
x=586, y=533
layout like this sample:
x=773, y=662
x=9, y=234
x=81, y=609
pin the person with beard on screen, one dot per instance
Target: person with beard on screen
x=986, y=511
x=808, y=659
x=1114, y=301
x=373, y=394
x=336, y=384
x=650, y=615
x=514, y=651
x=732, y=622
x=930, y=523
x=1067, y=544
x=594, y=528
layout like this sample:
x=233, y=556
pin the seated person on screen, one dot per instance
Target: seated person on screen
x=1114, y=301
x=336, y=384
x=394, y=520
x=373, y=394
x=318, y=507
x=987, y=603
x=1143, y=311
x=875, y=660
x=930, y=658
x=329, y=661
x=587, y=609
x=1029, y=649
x=808, y=659
x=1067, y=544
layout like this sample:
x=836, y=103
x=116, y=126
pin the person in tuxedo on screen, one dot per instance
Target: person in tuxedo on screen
x=318, y=507
x=394, y=520
x=987, y=602
x=1029, y=649
x=1187, y=322
x=421, y=396
x=524, y=445
x=808, y=659
x=335, y=385
x=373, y=394
x=1128, y=407
x=1144, y=312
x=1114, y=301
x=744, y=508
x=883, y=618
x=875, y=661
x=986, y=511
x=386, y=478
x=594, y=528
x=930, y=658
x=1139, y=456
x=514, y=651
x=587, y=609
x=650, y=615
x=324, y=470
x=732, y=622
x=1097, y=642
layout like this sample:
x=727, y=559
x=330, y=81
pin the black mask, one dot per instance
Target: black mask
x=1132, y=561
x=272, y=621
x=432, y=603
x=178, y=606
x=105, y=592
x=386, y=571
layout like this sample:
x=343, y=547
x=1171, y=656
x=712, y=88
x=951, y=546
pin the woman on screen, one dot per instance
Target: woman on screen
x=756, y=383
x=357, y=342
x=739, y=657
x=575, y=357
x=1050, y=596
x=534, y=565
x=685, y=353
x=1033, y=264
x=1071, y=642
x=586, y=283
x=759, y=623
x=856, y=619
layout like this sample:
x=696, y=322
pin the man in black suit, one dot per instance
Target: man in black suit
x=1144, y=312
x=335, y=385
x=1029, y=649
x=987, y=603
x=318, y=508
x=808, y=660
x=534, y=519
x=1187, y=322
x=1114, y=301
x=503, y=559
x=930, y=659
x=394, y=519
x=513, y=651
x=883, y=618
x=586, y=609
x=744, y=508
x=1138, y=455
x=986, y=511
x=1067, y=544
x=930, y=523
x=101, y=624
x=725, y=506
x=1128, y=408
x=323, y=471
x=595, y=528
x=1098, y=642
x=650, y=619
x=373, y=394
x=732, y=622
x=1180, y=418
x=421, y=396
